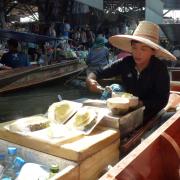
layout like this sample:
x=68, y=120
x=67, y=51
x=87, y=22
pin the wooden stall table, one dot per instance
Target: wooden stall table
x=93, y=153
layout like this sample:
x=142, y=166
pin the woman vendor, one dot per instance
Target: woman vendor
x=143, y=74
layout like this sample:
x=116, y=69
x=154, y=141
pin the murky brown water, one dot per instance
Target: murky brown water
x=36, y=100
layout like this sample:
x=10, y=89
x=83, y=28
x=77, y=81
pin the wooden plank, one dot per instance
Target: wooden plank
x=37, y=75
x=175, y=85
x=100, y=138
x=68, y=173
x=75, y=149
x=22, y=83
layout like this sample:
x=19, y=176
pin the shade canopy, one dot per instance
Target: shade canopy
x=25, y=37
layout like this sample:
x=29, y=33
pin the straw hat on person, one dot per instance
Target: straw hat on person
x=147, y=33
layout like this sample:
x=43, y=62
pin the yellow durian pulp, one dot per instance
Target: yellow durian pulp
x=127, y=95
x=59, y=111
x=81, y=118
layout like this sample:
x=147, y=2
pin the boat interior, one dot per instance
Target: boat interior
x=155, y=158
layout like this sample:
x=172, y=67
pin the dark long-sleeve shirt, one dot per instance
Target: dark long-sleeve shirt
x=152, y=85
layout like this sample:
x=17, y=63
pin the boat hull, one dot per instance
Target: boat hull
x=25, y=77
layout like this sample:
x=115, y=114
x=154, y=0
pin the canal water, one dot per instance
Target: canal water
x=36, y=100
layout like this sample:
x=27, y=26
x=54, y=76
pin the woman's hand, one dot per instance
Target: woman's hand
x=94, y=86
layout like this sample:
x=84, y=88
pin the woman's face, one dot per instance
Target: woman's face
x=141, y=53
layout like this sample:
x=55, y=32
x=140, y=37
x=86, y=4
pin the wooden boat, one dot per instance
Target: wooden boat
x=175, y=86
x=12, y=80
x=175, y=78
x=24, y=77
x=157, y=157
x=174, y=73
x=128, y=143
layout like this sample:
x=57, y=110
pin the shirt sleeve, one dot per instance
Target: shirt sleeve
x=110, y=70
x=24, y=61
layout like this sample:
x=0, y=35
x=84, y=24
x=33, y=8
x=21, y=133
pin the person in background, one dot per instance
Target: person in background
x=51, y=31
x=98, y=56
x=143, y=74
x=83, y=38
x=67, y=29
x=77, y=36
x=14, y=58
x=90, y=37
x=100, y=33
x=32, y=51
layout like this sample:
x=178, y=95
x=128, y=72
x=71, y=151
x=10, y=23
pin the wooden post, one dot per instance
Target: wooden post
x=2, y=15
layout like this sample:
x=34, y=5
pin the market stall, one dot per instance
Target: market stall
x=90, y=151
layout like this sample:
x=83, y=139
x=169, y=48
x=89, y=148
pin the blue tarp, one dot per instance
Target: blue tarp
x=25, y=37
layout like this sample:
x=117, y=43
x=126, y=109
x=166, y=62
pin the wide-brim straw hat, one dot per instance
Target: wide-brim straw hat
x=147, y=33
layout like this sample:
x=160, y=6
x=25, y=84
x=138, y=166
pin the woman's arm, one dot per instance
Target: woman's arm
x=92, y=84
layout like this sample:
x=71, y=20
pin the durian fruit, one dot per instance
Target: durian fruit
x=133, y=100
x=118, y=105
x=122, y=94
x=84, y=117
x=60, y=111
x=126, y=95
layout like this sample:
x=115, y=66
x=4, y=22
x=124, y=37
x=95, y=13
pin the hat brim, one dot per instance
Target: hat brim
x=124, y=42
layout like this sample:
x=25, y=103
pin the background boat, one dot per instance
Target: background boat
x=25, y=77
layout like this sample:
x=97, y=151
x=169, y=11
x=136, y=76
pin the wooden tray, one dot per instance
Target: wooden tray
x=75, y=148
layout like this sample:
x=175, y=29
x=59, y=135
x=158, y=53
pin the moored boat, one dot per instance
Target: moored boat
x=28, y=76
x=11, y=80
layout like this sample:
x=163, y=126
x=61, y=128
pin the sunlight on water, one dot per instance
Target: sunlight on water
x=36, y=100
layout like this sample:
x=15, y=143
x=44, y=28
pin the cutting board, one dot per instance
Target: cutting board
x=76, y=148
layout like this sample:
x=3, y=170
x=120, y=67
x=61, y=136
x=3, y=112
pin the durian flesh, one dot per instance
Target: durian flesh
x=60, y=111
x=84, y=117
x=81, y=118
